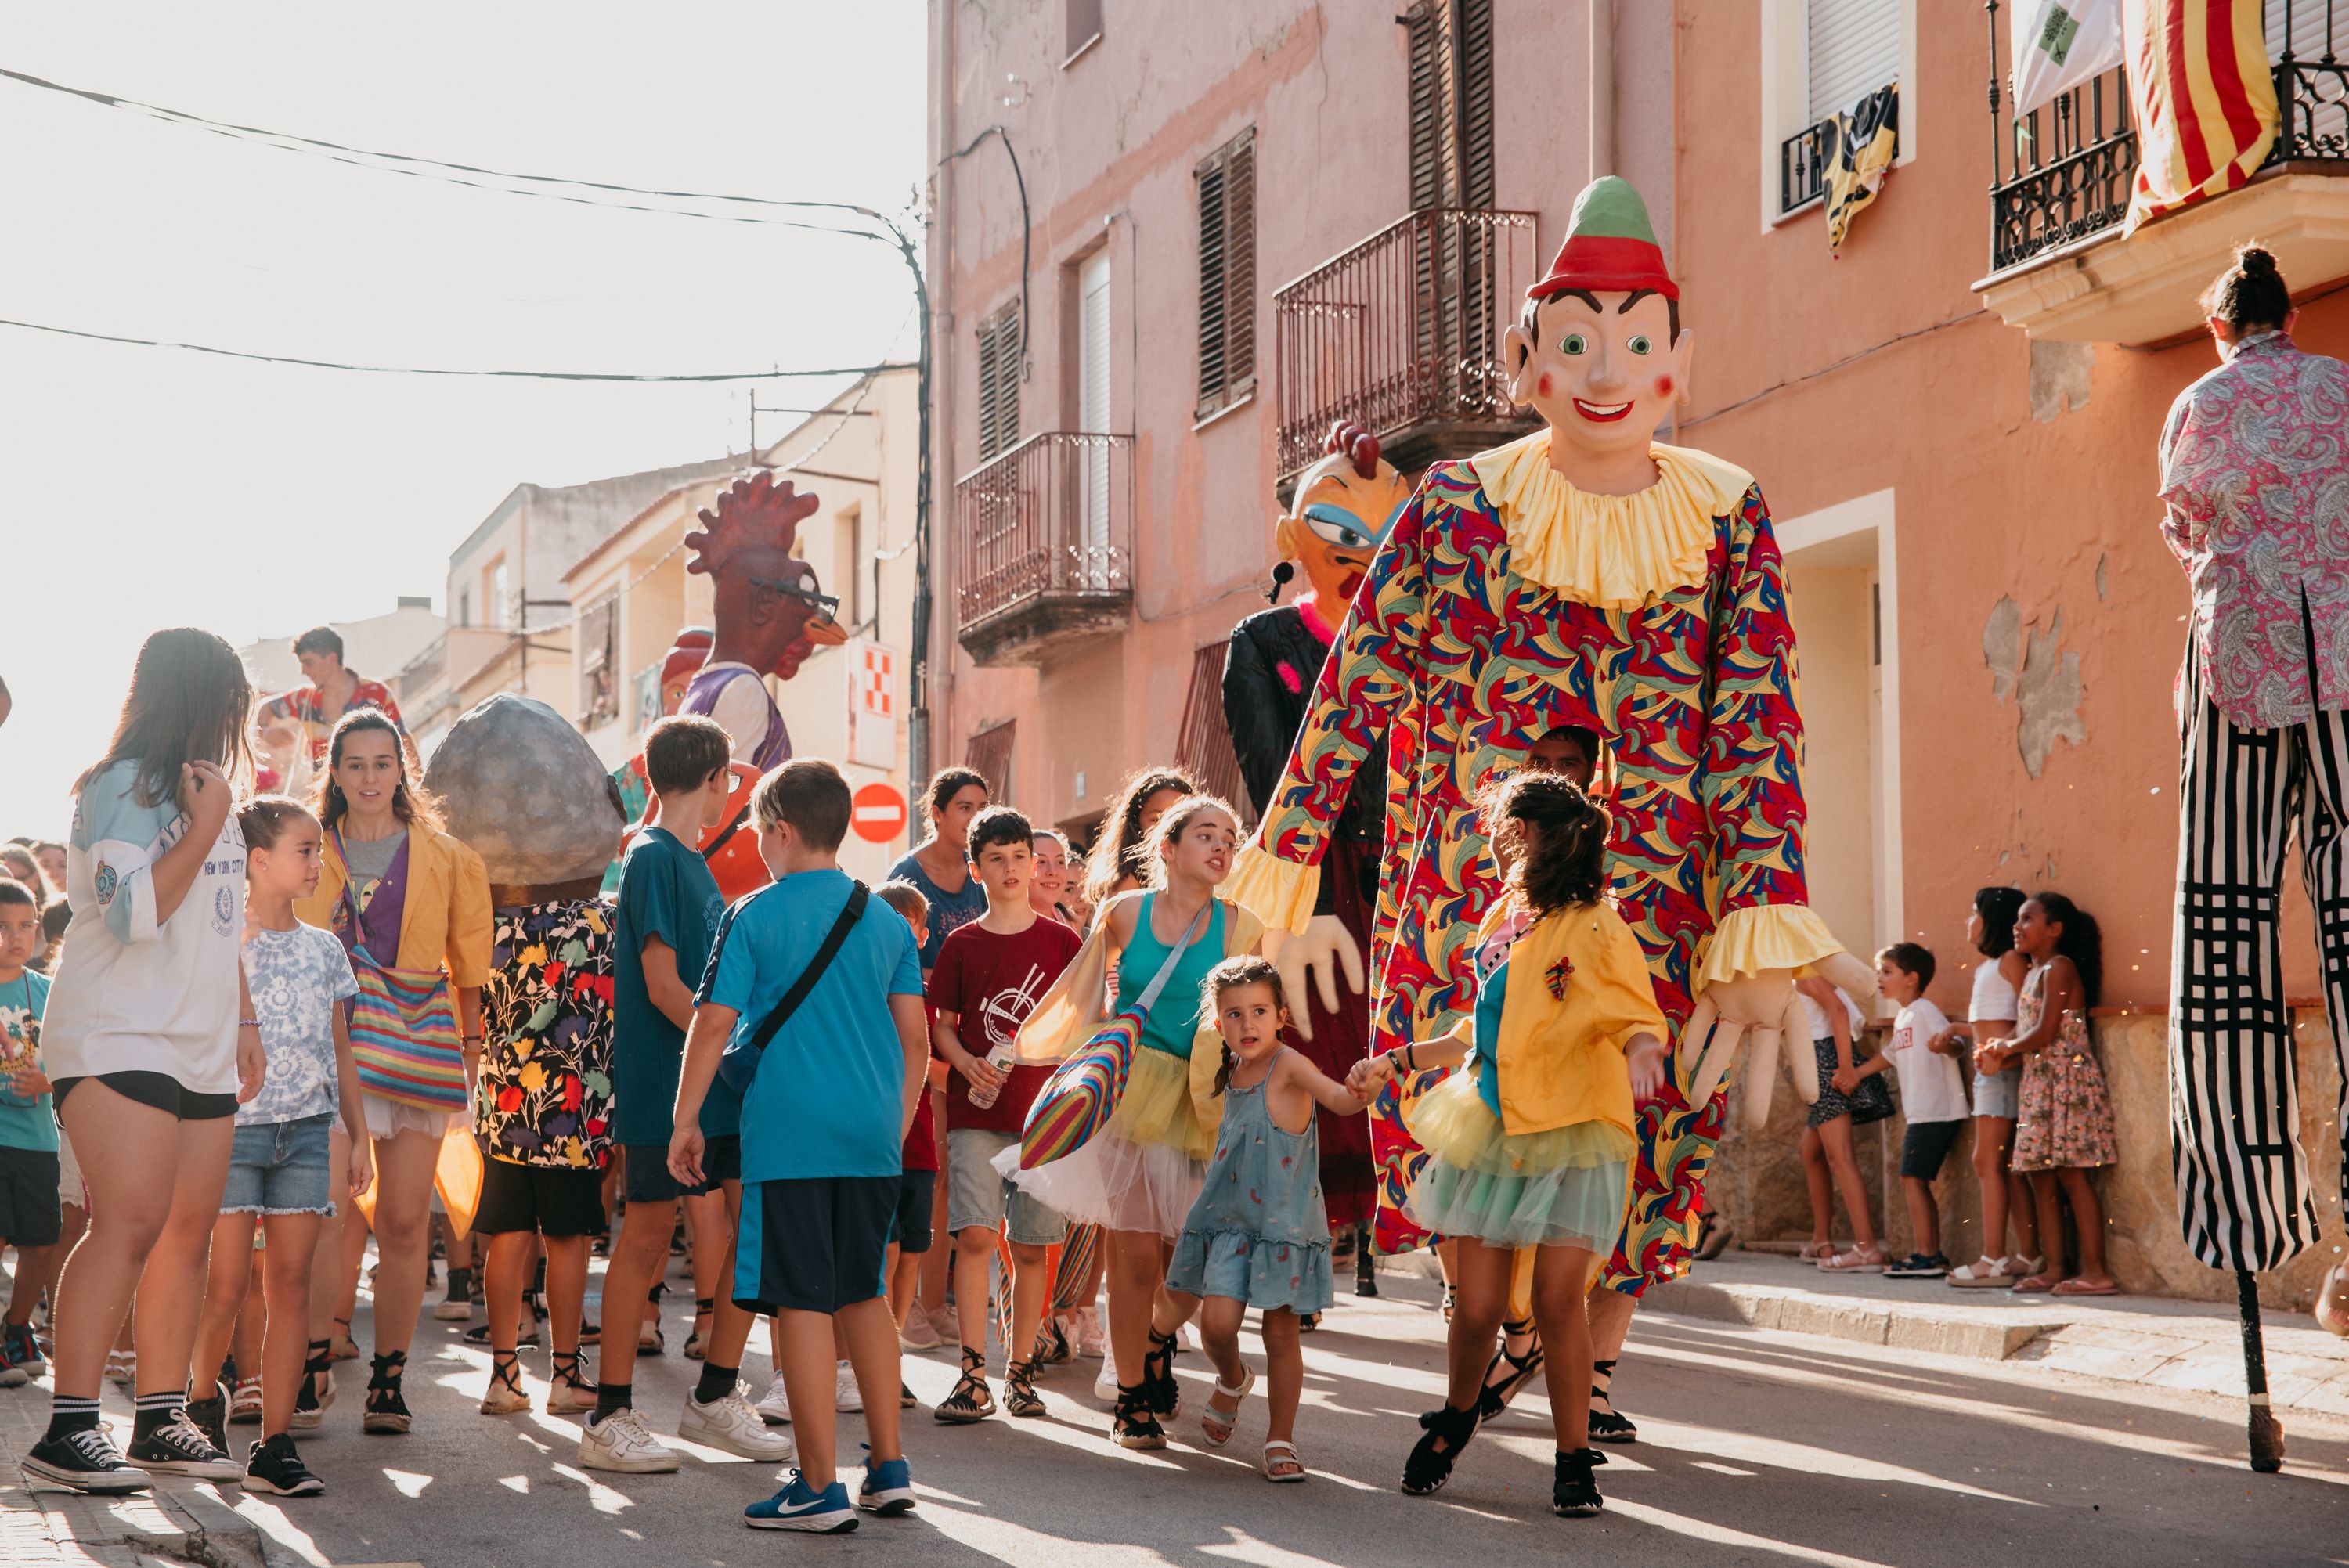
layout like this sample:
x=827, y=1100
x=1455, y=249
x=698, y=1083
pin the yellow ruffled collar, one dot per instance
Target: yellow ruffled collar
x=1616, y=552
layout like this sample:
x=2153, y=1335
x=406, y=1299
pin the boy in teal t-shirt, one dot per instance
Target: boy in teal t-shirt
x=29, y=1215
x=824, y=1132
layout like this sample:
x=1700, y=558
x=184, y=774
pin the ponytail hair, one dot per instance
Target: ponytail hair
x=2081, y=941
x=2250, y=294
x=1564, y=864
x=1230, y=976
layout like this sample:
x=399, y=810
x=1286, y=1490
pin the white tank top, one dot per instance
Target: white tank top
x=1994, y=999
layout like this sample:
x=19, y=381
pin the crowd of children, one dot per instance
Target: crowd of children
x=269, y=1013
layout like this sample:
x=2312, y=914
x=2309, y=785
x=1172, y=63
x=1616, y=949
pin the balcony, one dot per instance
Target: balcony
x=1043, y=546
x=2062, y=177
x=1401, y=335
x=1803, y=160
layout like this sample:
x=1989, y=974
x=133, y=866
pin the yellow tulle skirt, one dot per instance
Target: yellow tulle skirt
x=1156, y=1107
x=1569, y=1186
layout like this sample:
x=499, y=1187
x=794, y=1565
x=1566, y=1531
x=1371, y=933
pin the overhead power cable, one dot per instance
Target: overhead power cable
x=440, y=371
x=458, y=174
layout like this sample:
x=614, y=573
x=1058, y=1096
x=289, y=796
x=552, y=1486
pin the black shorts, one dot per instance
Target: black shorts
x=814, y=1245
x=916, y=1194
x=1927, y=1143
x=161, y=1090
x=646, y=1179
x=550, y=1199
x=29, y=1217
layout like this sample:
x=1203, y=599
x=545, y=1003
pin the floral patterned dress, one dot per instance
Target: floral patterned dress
x=546, y=1091
x=2065, y=1118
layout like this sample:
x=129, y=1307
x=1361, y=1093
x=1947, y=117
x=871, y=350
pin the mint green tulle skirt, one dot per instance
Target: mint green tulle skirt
x=1567, y=1187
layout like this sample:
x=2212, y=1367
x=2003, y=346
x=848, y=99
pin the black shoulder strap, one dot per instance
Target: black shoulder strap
x=850, y=914
x=732, y=828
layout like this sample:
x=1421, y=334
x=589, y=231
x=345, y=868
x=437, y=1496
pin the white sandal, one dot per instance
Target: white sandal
x=1289, y=1449
x=1859, y=1260
x=1214, y=1426
x=1984, y=1273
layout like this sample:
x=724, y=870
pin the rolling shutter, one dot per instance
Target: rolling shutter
x=2311, y=30
x=1855, y=49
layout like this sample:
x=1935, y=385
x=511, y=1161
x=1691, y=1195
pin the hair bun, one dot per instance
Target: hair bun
x=2255, y=262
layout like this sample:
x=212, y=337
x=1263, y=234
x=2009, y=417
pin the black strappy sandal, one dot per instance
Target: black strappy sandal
x=1606, y=1426
x=696, y=1344
x=1366, y=1273
x=650, y=1340
x=1429, y=1466
x=568, y=1392
x=1133, y=1423
x=318, y=1389
x=1574, y=1490
x=504, y=1395
x=341, y=1354
x=387, y=1412
x=1158, y=1383
x=1019, y=1396
x=1496, y=1395
x=971, y=1400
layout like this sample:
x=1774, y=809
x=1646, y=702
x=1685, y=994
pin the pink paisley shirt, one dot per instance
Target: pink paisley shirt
x=2255, y=473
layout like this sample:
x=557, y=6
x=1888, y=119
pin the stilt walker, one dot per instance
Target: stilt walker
x=2255, y=475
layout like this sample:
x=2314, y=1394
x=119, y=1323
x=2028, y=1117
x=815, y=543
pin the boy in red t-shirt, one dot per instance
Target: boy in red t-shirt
x=989, y=976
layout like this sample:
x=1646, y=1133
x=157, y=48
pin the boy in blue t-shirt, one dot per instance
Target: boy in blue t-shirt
x=668, y=913
x=29, y=1215
x=824, y=1129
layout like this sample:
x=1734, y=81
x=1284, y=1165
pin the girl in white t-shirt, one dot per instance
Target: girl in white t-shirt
x=151, y=1042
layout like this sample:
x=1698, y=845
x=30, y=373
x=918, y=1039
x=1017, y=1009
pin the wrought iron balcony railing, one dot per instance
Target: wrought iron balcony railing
x=1401, y=335
x=1803, y=167
x=2062, y=173
x=1043, y=545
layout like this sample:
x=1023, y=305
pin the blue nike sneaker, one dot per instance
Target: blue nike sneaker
x=800, y=1506
x=888, y=1488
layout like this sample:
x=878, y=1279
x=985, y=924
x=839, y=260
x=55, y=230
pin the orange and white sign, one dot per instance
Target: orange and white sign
x=877, y=814
x=872, y=704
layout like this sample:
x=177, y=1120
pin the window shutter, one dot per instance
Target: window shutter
x=1476, y=139
x=1226, y=187
x=1430, y=118
x=998, y=382
x=1855, y=49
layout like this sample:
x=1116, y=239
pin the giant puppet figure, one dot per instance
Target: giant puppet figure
x=1584, y=575
x=769, y=615
x=1342, y=508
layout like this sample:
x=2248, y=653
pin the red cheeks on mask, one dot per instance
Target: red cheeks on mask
x=1663, y=386
x=1542, y=388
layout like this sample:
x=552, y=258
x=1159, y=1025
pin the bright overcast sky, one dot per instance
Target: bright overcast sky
x=142, y=487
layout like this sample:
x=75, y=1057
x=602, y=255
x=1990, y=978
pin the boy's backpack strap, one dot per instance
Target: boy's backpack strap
x=850, y=914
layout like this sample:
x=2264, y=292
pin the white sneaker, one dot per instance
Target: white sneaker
x=729, y=1423
x=845, y=1395
x=1085, y=1336
x=774, y=1407
x=621, y=1442
x=1105, y=1383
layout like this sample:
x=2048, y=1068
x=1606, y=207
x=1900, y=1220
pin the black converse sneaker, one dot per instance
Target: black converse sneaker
x=179, y=1447
x=274, y=1467
x=210, y=1416
x=85, y=1460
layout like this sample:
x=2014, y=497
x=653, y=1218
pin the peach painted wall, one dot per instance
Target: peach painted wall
x=1831, y=378
x=1107, y=144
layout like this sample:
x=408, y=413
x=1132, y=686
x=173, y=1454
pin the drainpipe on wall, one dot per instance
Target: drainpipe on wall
x=1602, y=88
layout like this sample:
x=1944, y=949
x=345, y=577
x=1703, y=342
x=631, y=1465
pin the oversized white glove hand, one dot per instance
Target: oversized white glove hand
x=1323, y=949
x=1761, y=1011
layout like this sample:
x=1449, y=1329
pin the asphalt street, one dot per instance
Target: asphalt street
x=1756, y=1447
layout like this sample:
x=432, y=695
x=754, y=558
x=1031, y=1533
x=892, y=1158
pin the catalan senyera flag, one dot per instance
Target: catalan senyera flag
x=2204, y=100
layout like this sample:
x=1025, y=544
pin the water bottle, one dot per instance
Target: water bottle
x=1001, y=1059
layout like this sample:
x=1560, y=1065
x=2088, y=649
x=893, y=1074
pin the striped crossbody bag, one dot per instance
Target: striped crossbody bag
x=404, y=1036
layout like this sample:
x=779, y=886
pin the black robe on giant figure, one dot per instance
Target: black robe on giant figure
x=1344, y=504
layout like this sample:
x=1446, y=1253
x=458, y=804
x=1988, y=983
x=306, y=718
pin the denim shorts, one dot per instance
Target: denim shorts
x=1996, y=1094
x=281, y=1168
x=979, y=1195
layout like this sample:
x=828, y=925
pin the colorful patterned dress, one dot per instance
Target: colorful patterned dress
x=1505, y=603
x=2064, y=1115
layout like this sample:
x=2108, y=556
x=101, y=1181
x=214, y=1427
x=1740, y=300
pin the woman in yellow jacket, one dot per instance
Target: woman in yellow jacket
x=1532, y=1145
x=402, y=895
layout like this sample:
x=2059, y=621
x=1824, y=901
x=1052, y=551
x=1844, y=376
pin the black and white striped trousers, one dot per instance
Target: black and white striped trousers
x=2243, y=1194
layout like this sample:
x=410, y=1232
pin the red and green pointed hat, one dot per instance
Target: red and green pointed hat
x=1610, y=247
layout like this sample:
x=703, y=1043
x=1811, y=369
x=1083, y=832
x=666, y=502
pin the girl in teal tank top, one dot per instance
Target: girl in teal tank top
x=1175, y=1019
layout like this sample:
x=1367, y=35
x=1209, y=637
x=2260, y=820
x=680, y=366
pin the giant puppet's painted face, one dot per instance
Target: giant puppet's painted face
x=1344, y=507
x=769, y=606
x=1602, y=369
